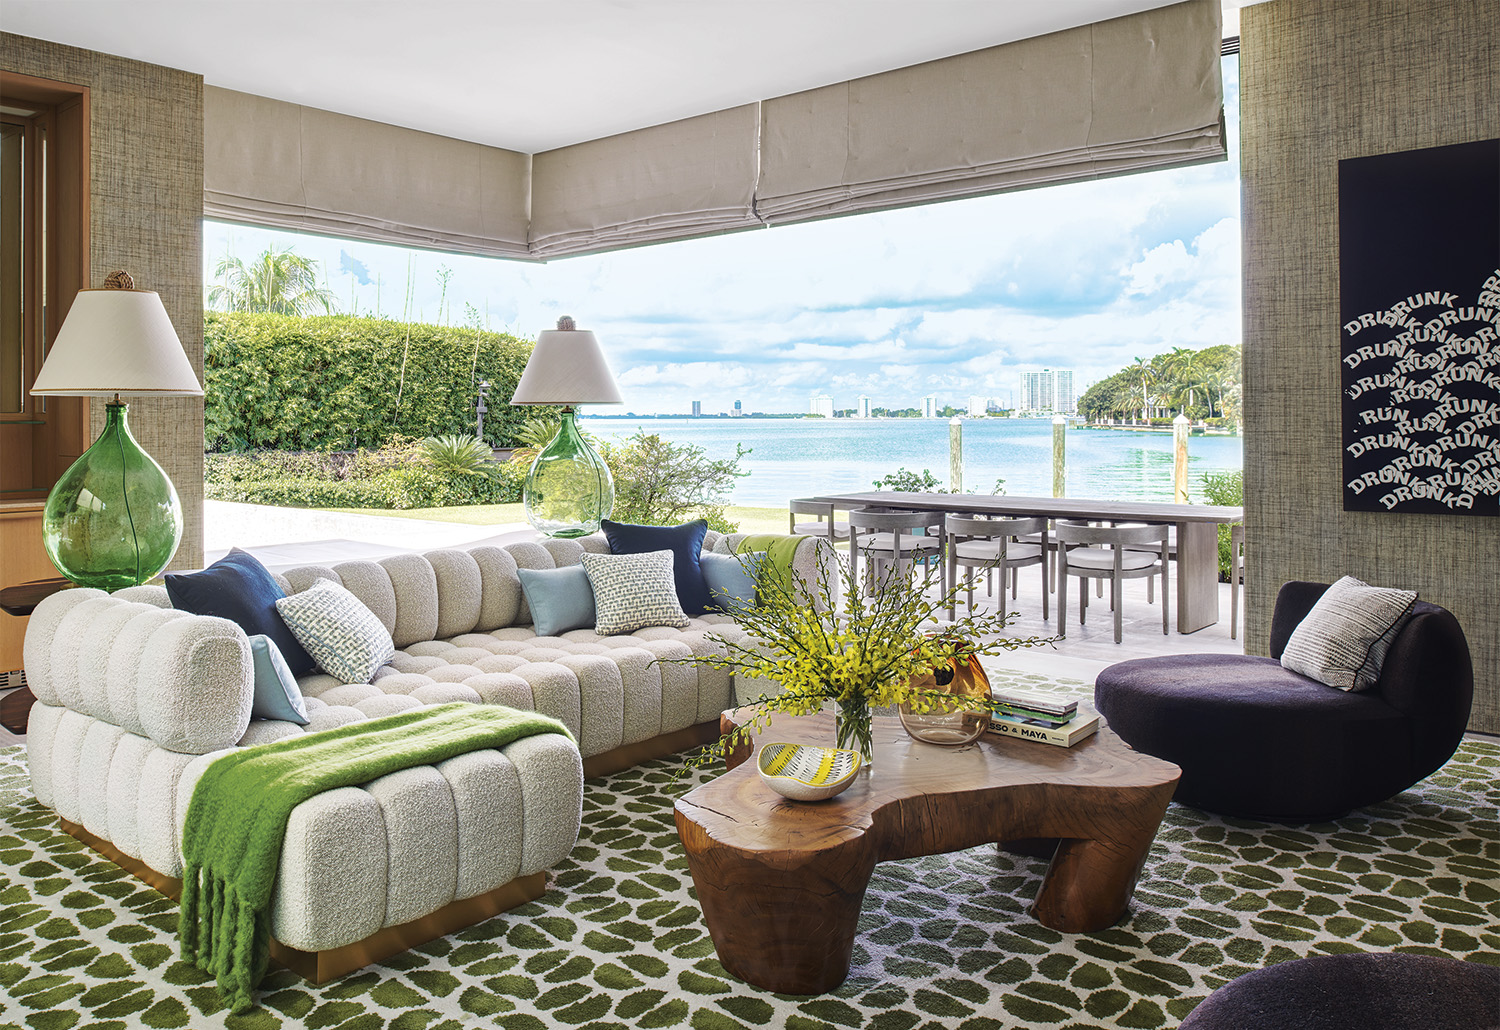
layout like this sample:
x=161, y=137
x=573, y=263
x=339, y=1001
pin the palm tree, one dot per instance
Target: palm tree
x=278, y=281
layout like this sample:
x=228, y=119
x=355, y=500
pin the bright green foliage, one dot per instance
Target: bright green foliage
x=276, y=280
x=1202, y=384
x=456, y=455
x=925, y=483
x=399, y=476
x=273, y=381
x=1224, y=488
x=660, y=483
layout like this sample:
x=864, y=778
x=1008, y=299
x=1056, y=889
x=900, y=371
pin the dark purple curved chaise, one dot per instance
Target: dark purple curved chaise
x=1258, y=741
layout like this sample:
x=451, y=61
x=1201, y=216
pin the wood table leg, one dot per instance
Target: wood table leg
x=783, y=923
x=1197, y=576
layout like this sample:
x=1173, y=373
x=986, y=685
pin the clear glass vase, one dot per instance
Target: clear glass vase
x=569, y=490
x=852, y=727
x=113, y=520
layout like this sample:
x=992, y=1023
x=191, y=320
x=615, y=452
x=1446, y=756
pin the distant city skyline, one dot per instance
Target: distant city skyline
x=951, y=300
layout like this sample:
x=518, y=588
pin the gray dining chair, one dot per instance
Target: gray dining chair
x=883, y=537
x=1116, y=553
x=824, y=526
x=994, y=545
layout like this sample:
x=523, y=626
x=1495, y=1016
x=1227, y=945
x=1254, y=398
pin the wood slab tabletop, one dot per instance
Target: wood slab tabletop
x=781, y=881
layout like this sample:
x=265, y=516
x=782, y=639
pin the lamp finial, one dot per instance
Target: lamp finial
x=119, y=280
x=566, y=323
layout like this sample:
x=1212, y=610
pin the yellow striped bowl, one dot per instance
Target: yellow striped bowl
x=806, y=773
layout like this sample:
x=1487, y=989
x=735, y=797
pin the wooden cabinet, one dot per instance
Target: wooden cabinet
x=22, y=559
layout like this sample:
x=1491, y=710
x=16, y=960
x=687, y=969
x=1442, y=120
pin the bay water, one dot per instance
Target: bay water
x=803, y=457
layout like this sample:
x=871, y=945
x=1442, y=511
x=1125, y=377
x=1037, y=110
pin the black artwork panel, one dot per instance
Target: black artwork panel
x=1419, y=280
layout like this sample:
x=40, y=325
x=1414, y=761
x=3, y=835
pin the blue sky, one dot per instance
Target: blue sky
x=953, y=299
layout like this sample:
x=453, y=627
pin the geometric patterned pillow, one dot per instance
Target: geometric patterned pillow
x=1343, y=640
x=633, y=591
x=347, y=640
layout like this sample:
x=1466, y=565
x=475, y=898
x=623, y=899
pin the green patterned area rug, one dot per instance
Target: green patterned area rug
x=945, y=942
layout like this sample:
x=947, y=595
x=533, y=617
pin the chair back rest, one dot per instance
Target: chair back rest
x=894, y=521
x=965, y=526
x=802, y=506
x=1154, y=536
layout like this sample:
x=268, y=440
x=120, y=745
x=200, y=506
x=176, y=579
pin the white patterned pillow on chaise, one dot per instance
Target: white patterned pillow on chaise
x=1343, y=640
x=633, y=591
x=346, y=639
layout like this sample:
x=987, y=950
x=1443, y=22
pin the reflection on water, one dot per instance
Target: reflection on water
x=800, y=457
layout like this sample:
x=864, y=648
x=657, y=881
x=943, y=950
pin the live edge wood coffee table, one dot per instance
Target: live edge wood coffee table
x=781, y=882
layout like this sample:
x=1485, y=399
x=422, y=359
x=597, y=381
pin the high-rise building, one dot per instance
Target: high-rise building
x=864, y=406
x=1063, y=397
x=978, y=406
x=929, y=406
x=697, y=408
x=738, y=411
x=821, y=404
x=1048, y=391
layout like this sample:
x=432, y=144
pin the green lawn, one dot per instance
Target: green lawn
x=750, y=520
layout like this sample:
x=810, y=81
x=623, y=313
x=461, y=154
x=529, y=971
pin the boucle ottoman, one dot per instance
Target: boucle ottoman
x=1356, y=992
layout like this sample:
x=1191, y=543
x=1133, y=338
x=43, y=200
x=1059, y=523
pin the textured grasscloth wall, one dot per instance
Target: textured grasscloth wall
x=145, y=216
x=1322, y=80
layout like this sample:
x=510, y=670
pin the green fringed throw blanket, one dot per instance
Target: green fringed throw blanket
x=237, y=817
x=780, y=550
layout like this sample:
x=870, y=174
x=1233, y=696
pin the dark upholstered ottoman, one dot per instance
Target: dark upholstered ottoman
x=1356, y=992
x=1258, y=741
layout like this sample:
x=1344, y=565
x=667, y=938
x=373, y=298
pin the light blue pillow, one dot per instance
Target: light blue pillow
x=277, y=695
x=731, y=578
x=560, y=599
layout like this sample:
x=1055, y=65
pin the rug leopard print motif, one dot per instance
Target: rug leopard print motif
x=945, y=941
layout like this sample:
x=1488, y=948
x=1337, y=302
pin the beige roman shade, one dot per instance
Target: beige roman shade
x=1132, y=94
x=267, y=162
x=667, y=182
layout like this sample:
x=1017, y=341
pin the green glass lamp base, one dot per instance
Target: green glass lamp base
x=569, y=490
x=113, y=520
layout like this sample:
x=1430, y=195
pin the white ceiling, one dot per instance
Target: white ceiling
x=531, y=75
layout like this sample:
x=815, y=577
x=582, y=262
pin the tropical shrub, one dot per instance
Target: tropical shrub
x=340, y=383
x=661, y=483
x=1226, y=488
x=401, y=476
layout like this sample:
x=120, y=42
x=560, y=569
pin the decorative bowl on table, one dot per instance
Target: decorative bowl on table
x=803, y=772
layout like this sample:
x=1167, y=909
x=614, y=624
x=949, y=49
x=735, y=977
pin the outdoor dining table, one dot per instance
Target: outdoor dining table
x=1197, y=539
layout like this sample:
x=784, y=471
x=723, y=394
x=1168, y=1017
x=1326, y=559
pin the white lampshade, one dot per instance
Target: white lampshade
x=566, y=367
x=117, y=341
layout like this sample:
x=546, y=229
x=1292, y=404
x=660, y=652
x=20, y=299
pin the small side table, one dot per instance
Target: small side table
x=22, y=599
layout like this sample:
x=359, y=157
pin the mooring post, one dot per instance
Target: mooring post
x=956, y=454
x=1059, y=456
x=1180, y=459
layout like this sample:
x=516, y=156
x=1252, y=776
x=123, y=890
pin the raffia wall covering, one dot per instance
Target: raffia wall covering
x=1323, y=80
x=269, y=162
x=1129, y=94
x=145, y=216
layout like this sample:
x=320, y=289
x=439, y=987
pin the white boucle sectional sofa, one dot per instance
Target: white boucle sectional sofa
x=135, y=699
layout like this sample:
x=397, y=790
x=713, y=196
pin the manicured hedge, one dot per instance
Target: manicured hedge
x=331, y=383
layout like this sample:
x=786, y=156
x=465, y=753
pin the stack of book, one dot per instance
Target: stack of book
x=1045, y=717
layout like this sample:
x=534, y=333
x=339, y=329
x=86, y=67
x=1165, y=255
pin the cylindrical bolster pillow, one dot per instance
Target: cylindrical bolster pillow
x=36, y=652
x=195, y=684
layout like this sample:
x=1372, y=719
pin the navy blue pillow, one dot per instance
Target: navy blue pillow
x=239, y=588
x=686, y=544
